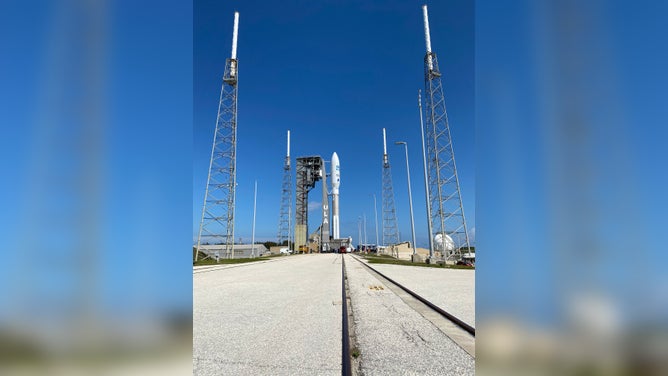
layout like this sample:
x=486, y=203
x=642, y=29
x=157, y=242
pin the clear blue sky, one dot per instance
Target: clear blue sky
x=334, y=73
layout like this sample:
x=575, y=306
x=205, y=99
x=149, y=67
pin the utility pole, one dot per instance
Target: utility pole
x=426, y=182
x=254, y=210
x=410, y=195
x=359, y=233
x=375, y=210
x=366, y=242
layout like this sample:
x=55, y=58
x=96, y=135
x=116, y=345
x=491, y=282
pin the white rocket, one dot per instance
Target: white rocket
x=336, y=181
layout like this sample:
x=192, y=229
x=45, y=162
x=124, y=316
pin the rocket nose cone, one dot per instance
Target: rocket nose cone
x=336, y=174
x=335, y=163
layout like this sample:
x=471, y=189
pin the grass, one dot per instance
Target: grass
x=355, y=352
x=232, y=261
x=386, y=259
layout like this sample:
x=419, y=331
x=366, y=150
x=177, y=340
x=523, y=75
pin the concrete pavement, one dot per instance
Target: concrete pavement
x=284, y=318
x=278, y=318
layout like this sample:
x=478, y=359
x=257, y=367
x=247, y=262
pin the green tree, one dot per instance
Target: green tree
x=270, y=244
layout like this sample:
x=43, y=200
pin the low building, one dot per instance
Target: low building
x=403, y=251
x=240, y=250
x=277, y=249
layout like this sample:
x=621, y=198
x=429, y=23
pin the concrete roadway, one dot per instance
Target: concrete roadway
x=278, y=318
x=284, y=318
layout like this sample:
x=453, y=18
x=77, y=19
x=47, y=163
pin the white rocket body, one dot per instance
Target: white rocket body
x=336, y=182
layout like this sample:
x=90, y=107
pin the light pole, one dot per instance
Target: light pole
x=375, y=210
x=359, y=233
x=254, y=208
x=426, y=182
x=366, y=243
x=410, y=195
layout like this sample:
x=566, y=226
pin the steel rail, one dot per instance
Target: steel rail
x=468, y=328
x=346, y=369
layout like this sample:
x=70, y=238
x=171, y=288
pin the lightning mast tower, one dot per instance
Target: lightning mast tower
x=285, y=214
x=217, y=224
x=390, y=229
x=447, y=210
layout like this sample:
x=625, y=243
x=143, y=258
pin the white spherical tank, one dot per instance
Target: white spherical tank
x=444, y=243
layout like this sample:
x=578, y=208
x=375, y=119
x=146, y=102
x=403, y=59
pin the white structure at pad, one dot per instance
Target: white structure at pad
x=336, y=181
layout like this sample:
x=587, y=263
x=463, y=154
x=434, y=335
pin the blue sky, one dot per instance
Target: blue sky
x=334, y=73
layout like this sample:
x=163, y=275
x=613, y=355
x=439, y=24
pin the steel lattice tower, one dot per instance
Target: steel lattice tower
x=217, y=224
x=308, y=171
x=447, y=210
x=285, y=214
x=390, y=229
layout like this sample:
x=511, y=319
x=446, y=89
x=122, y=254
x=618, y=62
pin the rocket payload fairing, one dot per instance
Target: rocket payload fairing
x=336, y=181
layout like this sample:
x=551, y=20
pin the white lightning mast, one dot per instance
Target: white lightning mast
x=217, y=224
x=390, y=229
x=445, y=200
x=285, y=212
x=235, y=33
x=427, y=38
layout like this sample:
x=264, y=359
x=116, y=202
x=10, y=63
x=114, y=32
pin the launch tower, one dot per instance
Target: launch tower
x=285, y=215
x=309, y=170
x=390, y=229
x=447, y=210
x=217, y=224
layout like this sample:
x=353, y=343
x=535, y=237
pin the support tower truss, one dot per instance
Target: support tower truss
x=308, y=171
x=217, y=225
x=285, y=214
x=447, y=210
x=390, y=229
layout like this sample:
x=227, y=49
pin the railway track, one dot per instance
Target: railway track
x=346, y=360
x=456, y=329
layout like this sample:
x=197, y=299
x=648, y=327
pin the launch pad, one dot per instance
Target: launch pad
x=309, y=170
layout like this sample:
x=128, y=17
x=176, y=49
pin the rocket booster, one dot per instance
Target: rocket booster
x=336, y=182
x=336, y=174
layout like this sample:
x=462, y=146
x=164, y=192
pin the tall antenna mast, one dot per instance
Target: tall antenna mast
x=445, y=200
x=217, y=224
x=390, y=229
x=285, y=213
